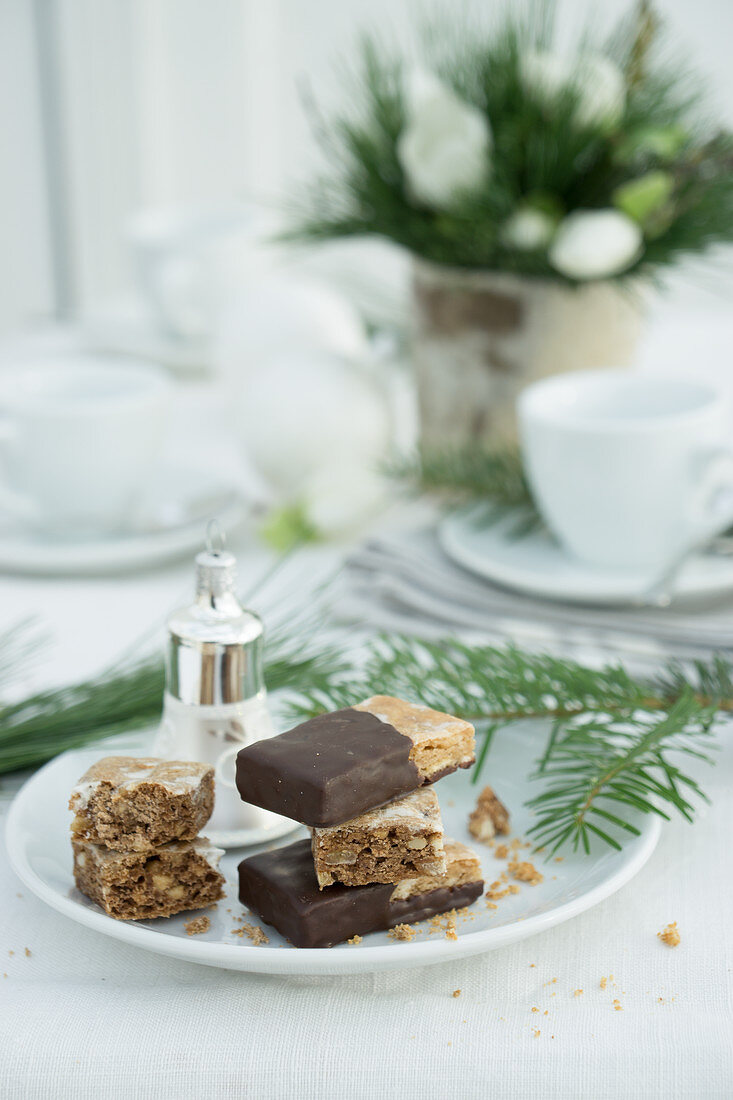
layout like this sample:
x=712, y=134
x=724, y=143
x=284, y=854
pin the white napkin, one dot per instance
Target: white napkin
x=404, y=581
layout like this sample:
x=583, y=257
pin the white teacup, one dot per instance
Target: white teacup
x=78, y=437
x=627, y=469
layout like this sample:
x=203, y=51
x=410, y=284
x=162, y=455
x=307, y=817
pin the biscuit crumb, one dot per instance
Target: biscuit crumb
x=489, y=817
x=354, y=940
x=534, y=1008
x=525, y=872
x=604, y=982
x=577, y=992
x=670, y=935
x=402, y=932
x=456, y=993
x=11, y=952
x=533, y=964
x=501, y=851
x=617, y=1006
x=252, y=932
x=27, y=952
x=197, y=925
x=536, y=1032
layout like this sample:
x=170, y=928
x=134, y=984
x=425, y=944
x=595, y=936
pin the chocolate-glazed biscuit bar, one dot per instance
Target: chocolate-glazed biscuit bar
x=281, y=887
x=395, y=842
x=134, y=803
x=141, y=885
x=335, y=767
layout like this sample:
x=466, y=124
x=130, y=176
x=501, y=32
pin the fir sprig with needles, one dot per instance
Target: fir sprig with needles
x=616, y=743
x=128, y=696
x=493, y=481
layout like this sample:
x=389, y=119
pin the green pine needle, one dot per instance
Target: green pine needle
x=615, y=741
x=616, y=744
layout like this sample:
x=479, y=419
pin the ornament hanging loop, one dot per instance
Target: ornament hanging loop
x=215, y=538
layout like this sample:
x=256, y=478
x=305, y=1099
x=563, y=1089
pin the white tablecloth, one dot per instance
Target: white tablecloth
x=84, y=1016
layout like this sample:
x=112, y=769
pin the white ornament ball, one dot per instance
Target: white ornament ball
x=528, y=230
x=301, y=413
x=341, y=497
x=595, y=244
x=444, y=148
x=284, y=314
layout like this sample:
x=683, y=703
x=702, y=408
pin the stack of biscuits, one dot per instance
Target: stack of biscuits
x=137, y=852
x=361, y=779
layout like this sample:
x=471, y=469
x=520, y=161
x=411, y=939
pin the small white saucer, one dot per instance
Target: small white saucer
x=171, y=523
x=537, y=565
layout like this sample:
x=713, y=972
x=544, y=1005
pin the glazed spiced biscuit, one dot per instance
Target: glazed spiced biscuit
x=332, y=768
x=440, y=742
x=131, y=803
x=397, y=841
x=281, y=887
x=141, y=885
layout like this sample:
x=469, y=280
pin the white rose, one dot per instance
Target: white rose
x=598, y=83
x=444, y=148
x=528, y=230
x=595, y=244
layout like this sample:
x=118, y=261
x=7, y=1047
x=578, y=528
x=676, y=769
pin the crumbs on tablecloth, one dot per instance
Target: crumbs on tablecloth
x=617, y=1005
x=525, y=872
x=255, y=934
x=537, y=1032
x=501, y=851
x=27, y=952
x=197, y=925
x=534, y=1008
x=402, y=932
x=577, y=992
x=354, y=940
x=604, y=983
x=456, y=993
x=670, y=935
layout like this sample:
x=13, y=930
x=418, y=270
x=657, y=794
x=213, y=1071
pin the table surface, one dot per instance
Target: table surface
x=82, y=1016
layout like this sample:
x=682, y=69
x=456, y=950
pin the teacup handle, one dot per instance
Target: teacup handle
x=712, y=499
x=219, y=775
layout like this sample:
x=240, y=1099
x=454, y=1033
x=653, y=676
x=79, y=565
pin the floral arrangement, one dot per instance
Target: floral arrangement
x=500, y=152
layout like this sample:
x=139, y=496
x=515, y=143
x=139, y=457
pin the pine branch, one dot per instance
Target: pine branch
x=128, y=697
x=494, y=479
x=613, y=739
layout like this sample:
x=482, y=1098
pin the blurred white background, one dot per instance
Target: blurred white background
x=108, y=106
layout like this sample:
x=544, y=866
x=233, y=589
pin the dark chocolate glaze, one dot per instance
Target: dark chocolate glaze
x=281, y=888
x=329, y=769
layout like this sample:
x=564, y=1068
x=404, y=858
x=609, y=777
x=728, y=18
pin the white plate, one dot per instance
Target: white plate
x=38, y=843
x=536, y=564
x=172, y=523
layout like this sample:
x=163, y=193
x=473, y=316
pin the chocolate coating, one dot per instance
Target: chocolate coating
x=281, y=888
x=329, y=769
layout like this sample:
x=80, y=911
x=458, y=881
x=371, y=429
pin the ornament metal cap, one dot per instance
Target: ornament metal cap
x=214, y=653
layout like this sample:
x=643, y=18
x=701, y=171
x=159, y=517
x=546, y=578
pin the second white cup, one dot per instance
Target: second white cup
x=627, y=469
